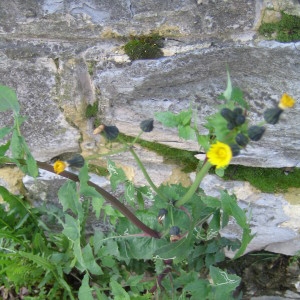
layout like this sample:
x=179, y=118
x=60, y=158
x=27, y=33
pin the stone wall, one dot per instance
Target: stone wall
x=62, y=55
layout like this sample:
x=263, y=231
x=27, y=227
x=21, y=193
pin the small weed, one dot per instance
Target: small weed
x=286, y=30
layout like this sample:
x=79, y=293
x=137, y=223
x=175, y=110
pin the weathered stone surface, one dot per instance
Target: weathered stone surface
x=62, y=55
x=273, y=220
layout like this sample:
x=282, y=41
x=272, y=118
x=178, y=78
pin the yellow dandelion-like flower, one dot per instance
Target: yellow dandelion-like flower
x=59, y=166
x=219, y=154
x=286, y=101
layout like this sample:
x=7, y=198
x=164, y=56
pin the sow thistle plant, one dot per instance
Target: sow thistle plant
x=161, y=251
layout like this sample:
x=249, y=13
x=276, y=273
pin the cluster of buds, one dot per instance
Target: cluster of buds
x=236, y=118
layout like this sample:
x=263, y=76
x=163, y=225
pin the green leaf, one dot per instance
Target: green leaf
x=71, y=228
x=117, y=175
x=118, y=291
x=238, y=97
x=97, y=204
x=8, y=100
x=203, y=140
x=186, y=132
x=90, y=262
x=220, y=172
x=228, y=91
x=178, y=251
x=167, y=118
x=16, y=145
x=4, y=148
x=69, y=198
x=85, y=292
x=4, y=131
x=223, y=283
x=130, y=193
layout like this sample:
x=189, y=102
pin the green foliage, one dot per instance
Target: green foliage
x=92, y=110
x=142, y=256
x=286, y=30
x=144, y=47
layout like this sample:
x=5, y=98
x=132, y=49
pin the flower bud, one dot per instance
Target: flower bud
x=238, y=111
x=239, y=120
x=230, y=125
x=241, y=140
x=111, y=132
x=147, y=125
x=235, y=149
x=228, y=115
x=271, y=115
x=256, y=132
x=76, y=161
x=174, y=233
x=174, y=230
x=161, y=215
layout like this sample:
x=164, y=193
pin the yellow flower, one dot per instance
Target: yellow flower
x=219, y=155
x=59, y=166
x=286, y=101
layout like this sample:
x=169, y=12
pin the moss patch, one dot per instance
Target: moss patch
x=286, y=30
x=268, y=180
x=185, y=159
x=144, y=47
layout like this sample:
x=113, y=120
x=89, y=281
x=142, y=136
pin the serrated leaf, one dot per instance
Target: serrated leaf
x=71, y=228
x=238, y=97
x=130, y=193
x=186, y=132
x=85, y=292
x=8, y=99
x=97, y=204
x=69, y=198
x=203, y=140
x=4, y=148
x=4, y=131
x=178, y=250
x=167, y=118
x=223, y=283
x=89, y=260
x=118, y=291
x=220, y=172
x=16, y=145
x=117, y=175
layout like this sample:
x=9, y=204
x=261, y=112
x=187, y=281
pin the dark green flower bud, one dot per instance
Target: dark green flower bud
x=111, y=132
x=228, y=115
x=238, y=111
x=230, y=125
x=174, y=230
x=271, y=115
x=162, y=212
x=235, y=149
x=256, y=132
x=147, y=125
x=76, y=161
x=239, y=120
x=241, y=140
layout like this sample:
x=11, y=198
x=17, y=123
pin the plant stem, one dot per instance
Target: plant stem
x=156, y=190
x=109, y=197
x=193, y=188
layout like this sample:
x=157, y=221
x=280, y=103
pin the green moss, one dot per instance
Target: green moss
x=92, y=110
x=144, y=47
x=91, y=67
x=268, y=180
x=98, y=170
x=286, y=30
x=183, y=158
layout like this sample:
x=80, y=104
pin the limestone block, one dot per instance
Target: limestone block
x=273, y=219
